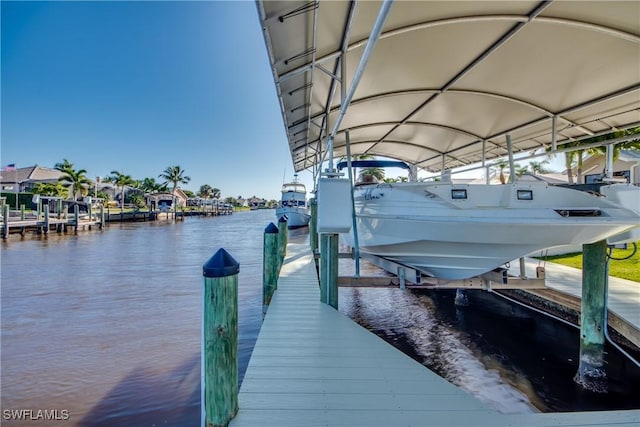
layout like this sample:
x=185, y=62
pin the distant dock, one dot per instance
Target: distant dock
x=43, y=221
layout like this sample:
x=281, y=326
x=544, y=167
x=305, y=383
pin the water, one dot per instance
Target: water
x=509, y=357
x=106, y=325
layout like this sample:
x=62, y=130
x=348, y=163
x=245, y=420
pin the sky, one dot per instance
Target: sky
x=136, y=87
x=139, y=86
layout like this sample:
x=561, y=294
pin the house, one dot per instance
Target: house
x=627, y=166
x=22, y=180
x=165, y=200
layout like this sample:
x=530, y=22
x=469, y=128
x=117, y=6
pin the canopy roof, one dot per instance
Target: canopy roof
x=447, y=79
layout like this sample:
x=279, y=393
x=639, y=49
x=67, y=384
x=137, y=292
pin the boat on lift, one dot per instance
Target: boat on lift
x=457, y=231
x=293, y=204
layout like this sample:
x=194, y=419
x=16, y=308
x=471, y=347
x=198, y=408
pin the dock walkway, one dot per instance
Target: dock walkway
x=312, y=366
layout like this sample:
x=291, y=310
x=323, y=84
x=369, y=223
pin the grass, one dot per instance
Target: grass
x=625, y=269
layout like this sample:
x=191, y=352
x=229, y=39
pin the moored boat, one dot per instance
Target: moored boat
x=453, y=231
x=293, y=204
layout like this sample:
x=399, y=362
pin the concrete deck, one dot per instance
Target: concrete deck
x=312, y=366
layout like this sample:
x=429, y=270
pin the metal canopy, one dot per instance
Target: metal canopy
x=448, y=80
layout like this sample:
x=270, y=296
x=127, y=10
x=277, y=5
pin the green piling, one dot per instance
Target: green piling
x=220, y=340
x=270, y=263
x=329, y=269
x=591, y=374
x=313, y=225
x=282, y=239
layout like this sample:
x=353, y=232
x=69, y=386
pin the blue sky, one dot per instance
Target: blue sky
x=139, y=86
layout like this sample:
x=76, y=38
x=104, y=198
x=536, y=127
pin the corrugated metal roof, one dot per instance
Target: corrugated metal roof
x=449, y=77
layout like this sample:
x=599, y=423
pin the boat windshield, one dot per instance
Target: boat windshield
x=294, y=188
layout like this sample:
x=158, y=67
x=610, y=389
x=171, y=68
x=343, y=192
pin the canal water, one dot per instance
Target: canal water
x=106, y=325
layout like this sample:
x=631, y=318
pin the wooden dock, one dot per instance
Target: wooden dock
x=312, y=366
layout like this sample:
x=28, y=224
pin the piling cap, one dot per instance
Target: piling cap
x=283, y=218
x=271, y=229
x=221, y=264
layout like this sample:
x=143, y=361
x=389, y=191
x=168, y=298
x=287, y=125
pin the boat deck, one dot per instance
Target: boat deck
x=312, y=366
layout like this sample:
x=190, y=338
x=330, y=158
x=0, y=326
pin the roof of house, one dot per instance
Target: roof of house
x=31, y=173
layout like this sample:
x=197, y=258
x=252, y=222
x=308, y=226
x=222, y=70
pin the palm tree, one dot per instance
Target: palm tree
x=206, y=192
x=65, y=166
x=539, y=167
x=174, y=175
x=75, y=180
x=502, y=164
x=215, y=193
x=149, y=185
x=121, y=180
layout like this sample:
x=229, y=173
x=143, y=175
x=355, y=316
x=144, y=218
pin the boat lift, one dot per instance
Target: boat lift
x=412, y=278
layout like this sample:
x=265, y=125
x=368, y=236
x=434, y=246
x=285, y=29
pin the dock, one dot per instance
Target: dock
x=313, y=366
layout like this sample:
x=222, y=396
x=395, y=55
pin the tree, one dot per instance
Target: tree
x=49, y=189
x=502, y=164
x=216, y=193
x=75, y=180
x=149, y=185
x=174, y=175
x=206, y=192
x=120, y=180
x=539, y=167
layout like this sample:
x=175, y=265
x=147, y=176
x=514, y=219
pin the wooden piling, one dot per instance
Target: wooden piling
x=59, y=208
x=21, y=212
x=5, y=221
x=313, y=225
x=270, y=263
x=76, y=217
x=39, y=211
x=220, y=340
x=329, y=269
x=591, y=374
x=101, y=217
x=282, y=239
x=45, y=229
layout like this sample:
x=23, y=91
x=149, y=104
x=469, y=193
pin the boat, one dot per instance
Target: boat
x=293, y=204
x=457, y=231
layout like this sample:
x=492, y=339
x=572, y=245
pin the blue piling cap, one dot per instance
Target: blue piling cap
x=221, y=264
x=271, y=229
x=283, y=218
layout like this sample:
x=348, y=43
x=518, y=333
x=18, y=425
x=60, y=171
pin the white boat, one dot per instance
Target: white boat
x=452, y=231
x=293, y=204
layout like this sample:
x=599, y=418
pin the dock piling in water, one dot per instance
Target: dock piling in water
x=591, y=374
x=219, y=382
x=5, y=221
x=270, y=263
x=329, y=269
x=282, y=239
x=313, y=225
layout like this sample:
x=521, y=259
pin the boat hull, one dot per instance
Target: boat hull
x=422, y=226
x=296, y=216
